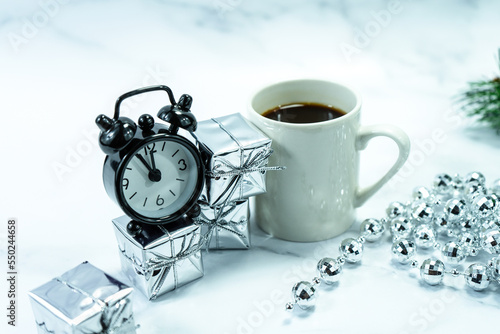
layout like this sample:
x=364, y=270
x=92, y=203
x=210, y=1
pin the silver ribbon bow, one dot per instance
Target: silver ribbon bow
x=219, y=221
x=251, y=164
x=248, y=165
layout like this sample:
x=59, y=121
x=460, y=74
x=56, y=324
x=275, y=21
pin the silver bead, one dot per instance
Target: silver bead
x=330, y=270
x=422, y=212
x=432, y=271
x=289, y=307
x=475, y=178
x=476, y=276
x=469, y=242
x=494, y=267
x=372, y=229
x=454, y=272
x=453, y=253
x=496, y=198
x=495, y=187
x=424, y=236
x=442, y=183
x=491, y=241
x=484, y=206
x=401, y=227
x=351, y=249
x=304, y=294
x=421, y=193
x=489, y=225
x=395, y=209
x=474, y=189
x=469, y=223
x=455, y=209
x=316, y=281
x=456, y=186
x=441, y=223
x=403, y=250
x=414, y=263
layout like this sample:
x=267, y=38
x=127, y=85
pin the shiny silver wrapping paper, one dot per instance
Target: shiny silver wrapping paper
x=81, y=301
x=160, y=258
x=238, y=155
x=226, y=227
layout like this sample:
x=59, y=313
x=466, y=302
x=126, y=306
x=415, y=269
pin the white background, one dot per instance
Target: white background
x=64, y=62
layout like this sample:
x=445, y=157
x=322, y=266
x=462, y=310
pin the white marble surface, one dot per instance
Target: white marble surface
x=64, y=62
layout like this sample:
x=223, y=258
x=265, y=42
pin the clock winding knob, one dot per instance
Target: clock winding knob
x=146, y=122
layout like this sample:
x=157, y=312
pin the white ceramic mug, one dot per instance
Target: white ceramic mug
x=316, y=196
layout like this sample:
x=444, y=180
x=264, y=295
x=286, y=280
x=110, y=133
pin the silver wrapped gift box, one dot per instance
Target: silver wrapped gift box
x=237, y=155
x=160, y=258
x=83, y=300
x=225, y=227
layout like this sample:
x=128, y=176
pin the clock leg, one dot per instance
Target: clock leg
x=134, y=228
x=194, y=212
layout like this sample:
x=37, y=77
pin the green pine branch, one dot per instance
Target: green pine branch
x=482, y=100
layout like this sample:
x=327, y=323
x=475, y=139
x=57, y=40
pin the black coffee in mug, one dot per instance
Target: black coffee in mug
x=303, y=112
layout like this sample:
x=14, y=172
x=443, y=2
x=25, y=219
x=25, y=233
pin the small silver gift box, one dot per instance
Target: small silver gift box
x=83, y=300
x=160, y=258
x=225, y=227
x=238, y=155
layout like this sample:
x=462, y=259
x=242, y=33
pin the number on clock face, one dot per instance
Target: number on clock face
x=159, y=178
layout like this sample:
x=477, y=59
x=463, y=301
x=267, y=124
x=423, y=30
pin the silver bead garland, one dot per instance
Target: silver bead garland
x=463, y=209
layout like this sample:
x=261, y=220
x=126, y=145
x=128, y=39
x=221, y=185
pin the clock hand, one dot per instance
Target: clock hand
x=141, y=158
x=153, y=165
x=154, y=175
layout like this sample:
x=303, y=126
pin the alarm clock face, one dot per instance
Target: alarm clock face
x=160, y=178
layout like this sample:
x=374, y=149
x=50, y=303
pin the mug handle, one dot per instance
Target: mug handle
x=365, y=134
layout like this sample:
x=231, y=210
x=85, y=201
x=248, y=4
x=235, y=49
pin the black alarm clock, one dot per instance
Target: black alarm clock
x=154, y=174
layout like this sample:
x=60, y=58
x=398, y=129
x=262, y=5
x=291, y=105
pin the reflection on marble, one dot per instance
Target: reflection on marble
x=64, y=62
